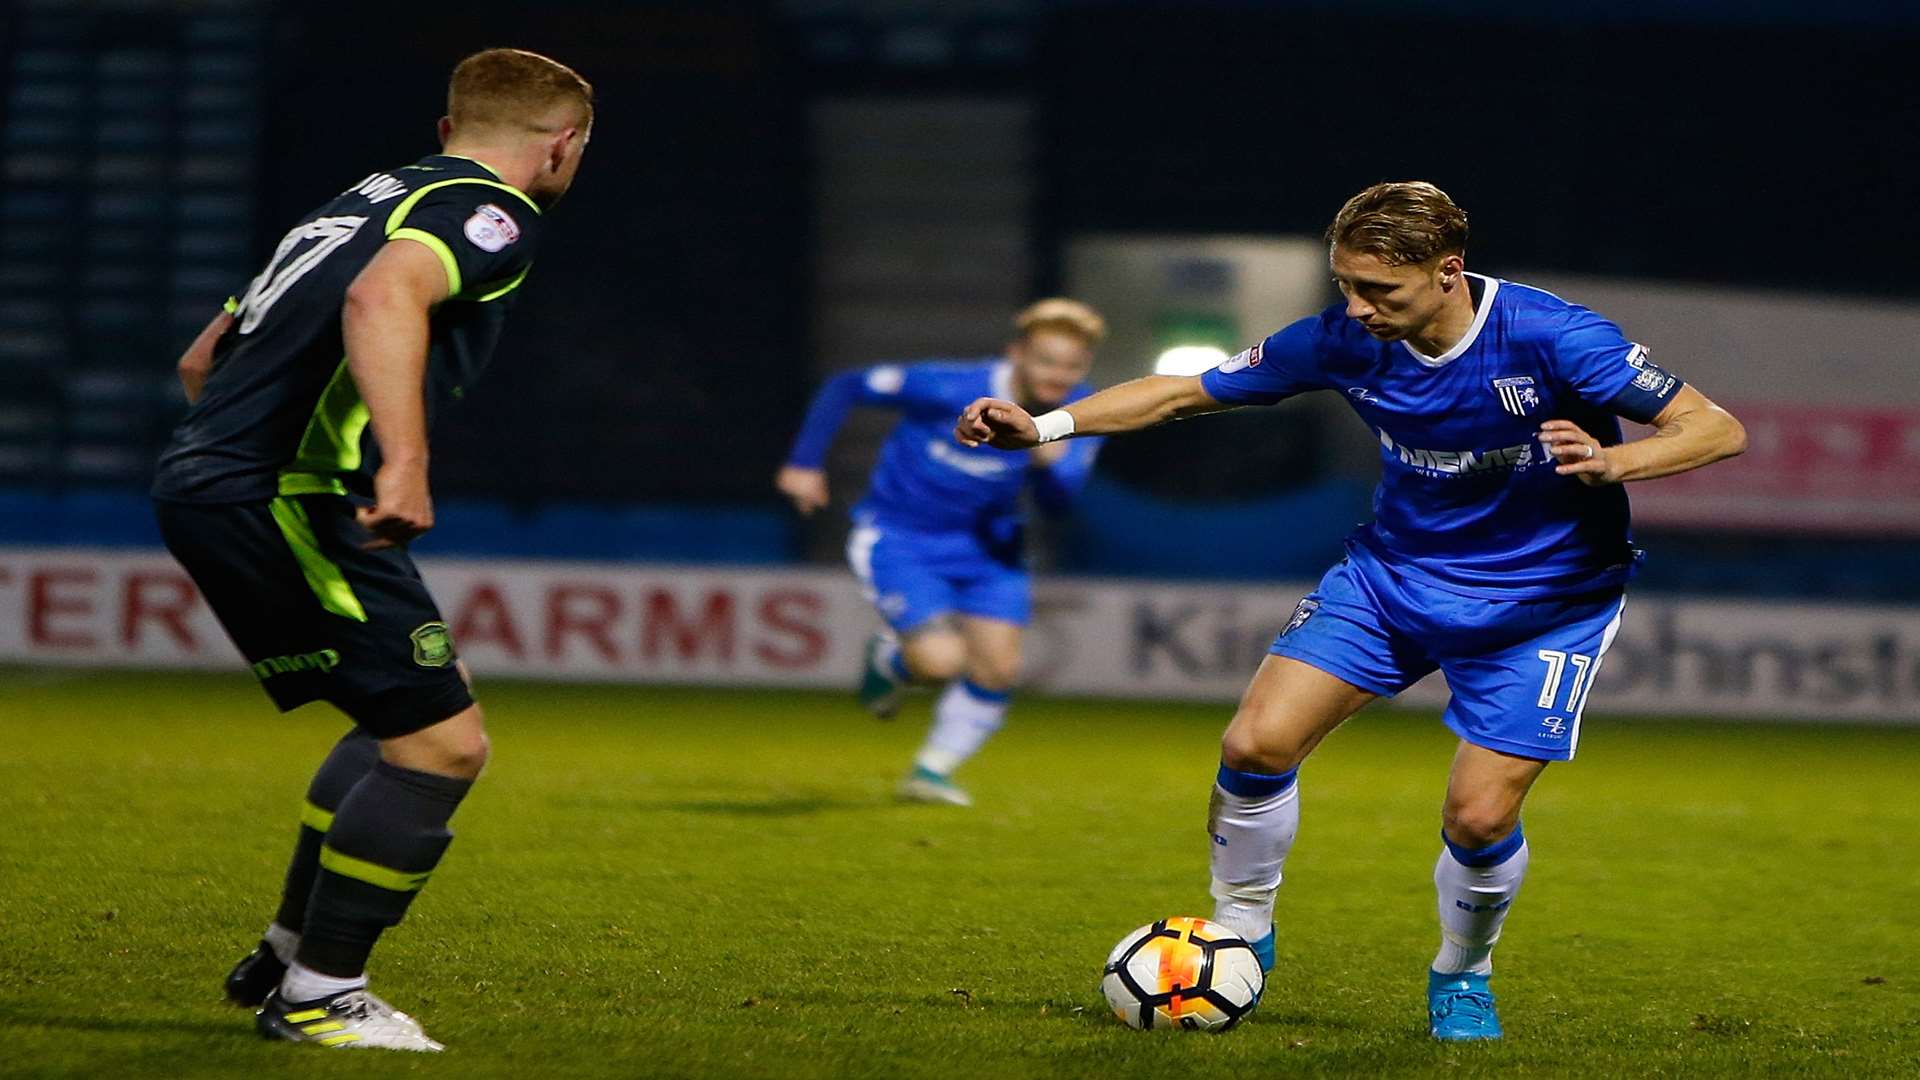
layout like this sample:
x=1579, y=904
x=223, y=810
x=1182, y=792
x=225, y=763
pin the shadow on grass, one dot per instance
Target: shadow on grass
x=797, y=806
x=1088, y=1012
x=956, y=999
x=761, y=806
x=241, y=1026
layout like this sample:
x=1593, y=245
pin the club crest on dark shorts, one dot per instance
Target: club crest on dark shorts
x=432, y=645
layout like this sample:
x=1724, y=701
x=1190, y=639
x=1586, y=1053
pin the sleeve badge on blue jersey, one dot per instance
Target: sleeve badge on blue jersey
x=1652, y=378
x=1517, y=394
x=491, y=229
x=1241, y=361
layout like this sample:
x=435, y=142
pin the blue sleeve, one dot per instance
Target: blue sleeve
x=1285, y=364
x=1056, y=486
x=1608, y=371
x=889, y=385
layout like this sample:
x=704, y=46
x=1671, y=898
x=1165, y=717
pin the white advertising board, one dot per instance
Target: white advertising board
x=805, y=627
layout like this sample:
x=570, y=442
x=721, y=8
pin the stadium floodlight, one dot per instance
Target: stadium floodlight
x=1189, y=360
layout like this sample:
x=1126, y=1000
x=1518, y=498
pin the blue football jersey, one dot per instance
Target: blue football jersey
x=924, y=479
x=1468, y=498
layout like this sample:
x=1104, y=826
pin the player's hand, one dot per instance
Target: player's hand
x=402, y=509
x=805, y=488
x=1577, y=453
x=997, y=423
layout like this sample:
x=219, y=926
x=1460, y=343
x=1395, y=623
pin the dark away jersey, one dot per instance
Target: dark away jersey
x=1468, y=498
x=280, y=414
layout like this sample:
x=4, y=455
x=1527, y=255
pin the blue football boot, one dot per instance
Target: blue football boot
x=881, y=688
x=926, y=786
x=1460, y=1008
x=1264, y=950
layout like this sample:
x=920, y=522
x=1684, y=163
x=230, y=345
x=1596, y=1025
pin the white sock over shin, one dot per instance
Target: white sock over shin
x=282, y=941
x=964, y=718
x=1476, y=889
x=302, y=983
x=1251, y=822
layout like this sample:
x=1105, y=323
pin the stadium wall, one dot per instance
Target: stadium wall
x=1092, y=637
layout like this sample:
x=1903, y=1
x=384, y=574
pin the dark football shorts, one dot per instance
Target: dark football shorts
x=317, y=616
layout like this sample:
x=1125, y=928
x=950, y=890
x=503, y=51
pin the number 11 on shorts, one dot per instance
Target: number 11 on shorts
x=1557, y=662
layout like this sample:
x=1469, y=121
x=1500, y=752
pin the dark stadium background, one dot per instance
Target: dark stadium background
x=665, y=346
x=688, y=858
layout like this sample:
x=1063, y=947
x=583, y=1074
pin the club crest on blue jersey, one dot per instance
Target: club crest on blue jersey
x=1517, y=394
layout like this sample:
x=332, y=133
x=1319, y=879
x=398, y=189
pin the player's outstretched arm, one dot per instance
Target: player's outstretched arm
x=803, y=479
x=197, y=362
x=1689, y=433
x=1130, y=406
x=385, y=325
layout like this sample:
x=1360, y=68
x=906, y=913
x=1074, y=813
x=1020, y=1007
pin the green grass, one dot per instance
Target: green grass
x=715, y=884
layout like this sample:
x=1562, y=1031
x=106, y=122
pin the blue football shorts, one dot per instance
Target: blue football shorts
x=1519, y=670
x=914, y=577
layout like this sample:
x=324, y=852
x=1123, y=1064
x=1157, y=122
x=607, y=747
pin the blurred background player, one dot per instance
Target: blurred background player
x=938, y=540
x=264, y=495
x=1502, y=566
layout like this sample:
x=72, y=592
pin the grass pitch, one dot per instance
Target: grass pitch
x=671, y=883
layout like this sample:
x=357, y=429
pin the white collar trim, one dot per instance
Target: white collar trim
x=1473, y=331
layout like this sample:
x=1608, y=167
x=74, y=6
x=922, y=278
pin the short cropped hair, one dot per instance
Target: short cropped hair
x=1400, y=223
x=1065, y=316
x=514, y=88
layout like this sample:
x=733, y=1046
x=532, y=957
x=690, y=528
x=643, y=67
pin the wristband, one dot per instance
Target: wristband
x=1054, y=426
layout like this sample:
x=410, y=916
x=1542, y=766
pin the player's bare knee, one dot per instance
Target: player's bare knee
x=1248, y=748
x=937, y=667
x=457, y=746
x=474, y=752
x=936, y=658
x=462, y=755
x=474, y=748
x=1472, y=824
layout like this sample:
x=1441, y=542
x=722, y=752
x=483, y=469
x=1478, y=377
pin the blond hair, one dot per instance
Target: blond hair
x=514, y=88
x=1400, y=223
x=1057, y=313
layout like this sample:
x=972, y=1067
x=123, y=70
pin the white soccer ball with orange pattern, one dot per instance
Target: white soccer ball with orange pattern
x=1183, y=973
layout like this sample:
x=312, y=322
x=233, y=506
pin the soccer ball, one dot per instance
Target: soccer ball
x=1183, y=973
